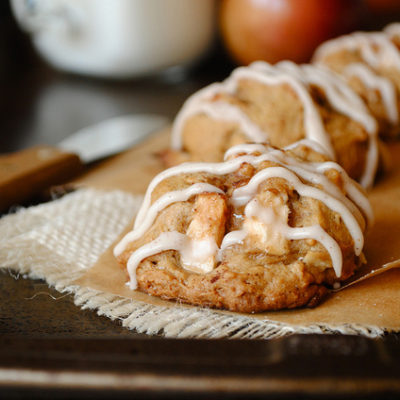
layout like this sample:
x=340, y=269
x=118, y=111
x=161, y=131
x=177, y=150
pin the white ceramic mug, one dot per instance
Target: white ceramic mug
x=118, y=38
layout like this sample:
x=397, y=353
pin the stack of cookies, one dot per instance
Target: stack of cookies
x=264, y=204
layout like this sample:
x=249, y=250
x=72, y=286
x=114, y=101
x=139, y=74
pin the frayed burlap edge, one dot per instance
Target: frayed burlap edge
x=51, y=242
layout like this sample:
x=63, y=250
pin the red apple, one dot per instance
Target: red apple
x=273, y=30
x=383, y=6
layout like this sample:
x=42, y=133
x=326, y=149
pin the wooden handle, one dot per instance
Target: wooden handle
x=28, y=172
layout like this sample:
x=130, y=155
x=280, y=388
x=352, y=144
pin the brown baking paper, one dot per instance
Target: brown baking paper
x=371, y=302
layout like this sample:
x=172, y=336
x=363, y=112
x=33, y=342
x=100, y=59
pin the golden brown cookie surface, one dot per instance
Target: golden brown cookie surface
x=263, y=230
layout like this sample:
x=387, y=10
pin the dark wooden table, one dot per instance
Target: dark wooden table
x=42, y=332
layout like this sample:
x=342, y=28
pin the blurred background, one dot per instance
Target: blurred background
x=66, y=64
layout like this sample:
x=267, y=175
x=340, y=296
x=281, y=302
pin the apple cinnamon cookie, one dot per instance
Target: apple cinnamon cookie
x=370, y=63
x=279, y=104
x=265, y=229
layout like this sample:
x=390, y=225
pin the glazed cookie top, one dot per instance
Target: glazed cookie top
x=382, y=85
x=376, y=49
x=393, y=31
x=365, y=55
x=222, y=188
x=300, y=79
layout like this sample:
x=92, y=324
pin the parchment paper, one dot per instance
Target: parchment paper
x=372, y=302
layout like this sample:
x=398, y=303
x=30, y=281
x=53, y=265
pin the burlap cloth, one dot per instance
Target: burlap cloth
x=67, y=243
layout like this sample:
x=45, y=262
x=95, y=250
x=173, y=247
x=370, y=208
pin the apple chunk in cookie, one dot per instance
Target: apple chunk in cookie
x=207, y=229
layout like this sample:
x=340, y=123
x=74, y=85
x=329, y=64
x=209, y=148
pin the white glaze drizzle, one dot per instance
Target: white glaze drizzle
x=392, y=30
x=160, y=204
x=343, y=99
x=223, y=111
x=243, y=194
x=245, y=148
x=308, y=171
x=383, y=85
x=268, y=217
x=308, y=143
x=264, y=215
x=232, y=238
x=268, y=75
x=195, y=253
x=340, y=96
x=217, y=169
x=189, y=168
x=199, y=103
x=375, y=48
x=193, y=101
x=352, y=191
